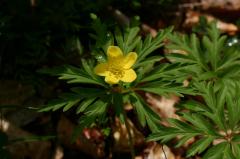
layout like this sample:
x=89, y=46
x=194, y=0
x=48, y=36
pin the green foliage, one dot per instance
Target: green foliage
x=76, y=75
x=144, y=113
x=211, y=66
x=208, y=58
x=53, y=32
x=93, y=102
x=216, y=120
x=214, y=70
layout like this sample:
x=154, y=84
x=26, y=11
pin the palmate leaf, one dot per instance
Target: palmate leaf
x=213, y=61
x=185, y=132
x=219, y=113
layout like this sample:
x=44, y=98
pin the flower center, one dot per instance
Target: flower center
x=117, y=72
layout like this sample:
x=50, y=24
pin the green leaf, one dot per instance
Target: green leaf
x=183, y=140
x=93, y=112
x=84, y=104
x=161, y=87
x=145, y=113
x=89, y=92
x=53, y=105
x=119, y=38
x=166, y=71
x=130, y=39
x=236, y=149
x=149, y=60
x=149, y=45
x=200, y=145
x=200, y=123
x=118, y=106
x=208, y=57
x=236, y=138
x=139, y=109
x=70, y=104
x=165, y=134
x=182, y=126
x=66, y=100
x=216, y=152
x=74, y=75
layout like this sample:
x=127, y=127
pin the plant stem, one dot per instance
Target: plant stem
x=129, y=135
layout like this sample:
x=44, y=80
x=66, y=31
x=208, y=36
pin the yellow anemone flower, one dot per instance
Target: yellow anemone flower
x=118, y=67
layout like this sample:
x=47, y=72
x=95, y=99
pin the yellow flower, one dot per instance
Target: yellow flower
x=118, y=67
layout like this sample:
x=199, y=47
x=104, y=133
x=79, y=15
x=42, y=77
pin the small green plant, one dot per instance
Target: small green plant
x=129, y=70
x=126, y=67
x=207, y=59
x=213, y=68
x=214, y=124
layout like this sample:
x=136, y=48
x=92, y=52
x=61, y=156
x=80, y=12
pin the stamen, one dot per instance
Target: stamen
x=118, y=73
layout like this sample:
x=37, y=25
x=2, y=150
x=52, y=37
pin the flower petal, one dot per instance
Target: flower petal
x=129, y=76
x=114, y=52
x=101, y=69
x=129, y=60
x=111, y=79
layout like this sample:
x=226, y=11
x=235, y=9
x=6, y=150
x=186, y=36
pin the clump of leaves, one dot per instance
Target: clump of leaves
x=207, y=58
x=95, y=99
x=214, y=123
